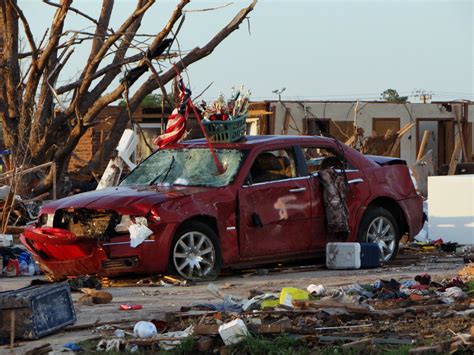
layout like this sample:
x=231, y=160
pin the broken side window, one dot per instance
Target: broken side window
x=273, y=165
x=322, y=158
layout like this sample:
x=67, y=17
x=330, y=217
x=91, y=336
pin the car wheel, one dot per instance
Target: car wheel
x=195, y=253
x=379, y=226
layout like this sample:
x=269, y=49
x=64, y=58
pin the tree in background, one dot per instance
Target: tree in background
x=391, y=95
x=43, y=121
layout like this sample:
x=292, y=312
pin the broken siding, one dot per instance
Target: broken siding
x=290, y=116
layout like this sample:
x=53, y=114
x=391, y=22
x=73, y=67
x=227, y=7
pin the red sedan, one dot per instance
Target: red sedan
x=176, y=213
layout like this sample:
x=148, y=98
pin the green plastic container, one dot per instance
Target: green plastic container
x=226, y=131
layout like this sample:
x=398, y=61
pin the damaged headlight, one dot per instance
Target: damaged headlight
x=126, y=221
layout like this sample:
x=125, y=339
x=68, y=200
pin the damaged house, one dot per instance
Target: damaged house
x=339, y=119
x=327, y=118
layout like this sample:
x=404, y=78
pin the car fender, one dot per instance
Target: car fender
x=219, y=205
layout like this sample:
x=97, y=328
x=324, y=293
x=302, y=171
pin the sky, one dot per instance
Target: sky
x=316, y=50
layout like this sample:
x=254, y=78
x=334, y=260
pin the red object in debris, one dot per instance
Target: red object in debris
x=130, y=307
x=267, y=207
x=13, y=268
x=416, y=297
x=175, y=129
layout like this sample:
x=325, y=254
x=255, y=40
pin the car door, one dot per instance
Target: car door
x=358, y=191
x=275, y=206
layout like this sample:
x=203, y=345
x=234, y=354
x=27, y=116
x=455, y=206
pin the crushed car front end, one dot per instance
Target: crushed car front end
x=99, y=241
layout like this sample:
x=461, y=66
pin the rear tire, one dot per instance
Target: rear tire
x=195, y=254
x=379, y=226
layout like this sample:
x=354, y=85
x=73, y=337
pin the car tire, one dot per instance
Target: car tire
x=379, y=226
x=195, y=254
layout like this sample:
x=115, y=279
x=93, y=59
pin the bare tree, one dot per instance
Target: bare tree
x=38, y=124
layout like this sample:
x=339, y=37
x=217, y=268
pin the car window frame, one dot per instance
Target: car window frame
x=300, y=168
x=336, y=153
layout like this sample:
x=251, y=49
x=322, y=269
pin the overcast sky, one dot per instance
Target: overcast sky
x=315, y=49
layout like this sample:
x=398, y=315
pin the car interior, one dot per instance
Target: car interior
x=271, y=166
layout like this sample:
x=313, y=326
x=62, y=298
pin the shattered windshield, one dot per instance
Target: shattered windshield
x=191, y=167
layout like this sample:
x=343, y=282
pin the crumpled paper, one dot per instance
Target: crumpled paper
x=138, y=234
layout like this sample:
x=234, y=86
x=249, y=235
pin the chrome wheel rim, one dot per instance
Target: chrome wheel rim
x=382, y=232
x=194, y=255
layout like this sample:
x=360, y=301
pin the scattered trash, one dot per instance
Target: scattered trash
x=232, y=332
x=72, y=347
x=376, y=314
x=138, y=233
x=98, y=297
x=119, y=333
x=316, y=290
x=144, y=329
x=290, y=294
x=130, y=307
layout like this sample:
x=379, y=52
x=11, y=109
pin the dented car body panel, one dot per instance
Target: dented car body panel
x=277, y=218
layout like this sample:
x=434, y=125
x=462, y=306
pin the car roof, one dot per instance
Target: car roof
x=250, y=141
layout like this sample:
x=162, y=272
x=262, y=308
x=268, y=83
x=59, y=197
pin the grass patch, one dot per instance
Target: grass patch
x=258, y=345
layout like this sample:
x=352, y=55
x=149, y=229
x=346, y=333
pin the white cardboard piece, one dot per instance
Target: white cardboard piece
x=451, y=208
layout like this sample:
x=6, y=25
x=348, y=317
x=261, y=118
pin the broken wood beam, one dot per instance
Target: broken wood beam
x=455, y=156
x=331, y=304
x=424, y=142
x=42, y=349
x=392, y=341
x=404, y=130
x=73, y=328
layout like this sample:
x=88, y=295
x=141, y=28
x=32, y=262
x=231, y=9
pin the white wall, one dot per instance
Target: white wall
x=451, y=208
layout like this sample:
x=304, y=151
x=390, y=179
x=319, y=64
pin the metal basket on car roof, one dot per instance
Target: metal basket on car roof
x=226, y=131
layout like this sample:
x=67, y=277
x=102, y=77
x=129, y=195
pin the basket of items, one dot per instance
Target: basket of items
x=225, y=121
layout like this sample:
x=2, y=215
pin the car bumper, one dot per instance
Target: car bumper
x=60, y=253
x=413, y=210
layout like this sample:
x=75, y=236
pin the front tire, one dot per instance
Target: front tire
x=379, y=226
x=195, y=253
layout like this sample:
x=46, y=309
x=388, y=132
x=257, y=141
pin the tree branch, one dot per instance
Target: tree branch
x=26, y=26
x=92, y=66
x=151, y=83
x=101, y=28
x=134, y=58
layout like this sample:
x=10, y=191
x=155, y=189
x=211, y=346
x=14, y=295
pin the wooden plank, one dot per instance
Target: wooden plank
x=457, y=115
x=272, y=121
x=424, y=142
x=395, y=150
x=446, y=141
x=469, y=142
x=455, y=157
x=286, y=121
x=12, y=329
x=381, y=126
x=341, y=130
x=331, y=304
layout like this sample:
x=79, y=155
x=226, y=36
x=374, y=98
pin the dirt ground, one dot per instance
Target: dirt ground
x=156, y=301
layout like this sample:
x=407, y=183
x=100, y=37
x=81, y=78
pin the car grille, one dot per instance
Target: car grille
x=125, y=263
x=86, y=223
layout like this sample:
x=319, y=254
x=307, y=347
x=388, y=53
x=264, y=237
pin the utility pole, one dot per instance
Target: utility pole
x=423, y=95
x=278, y=92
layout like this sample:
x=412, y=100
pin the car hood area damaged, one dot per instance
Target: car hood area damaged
x=123, y=200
